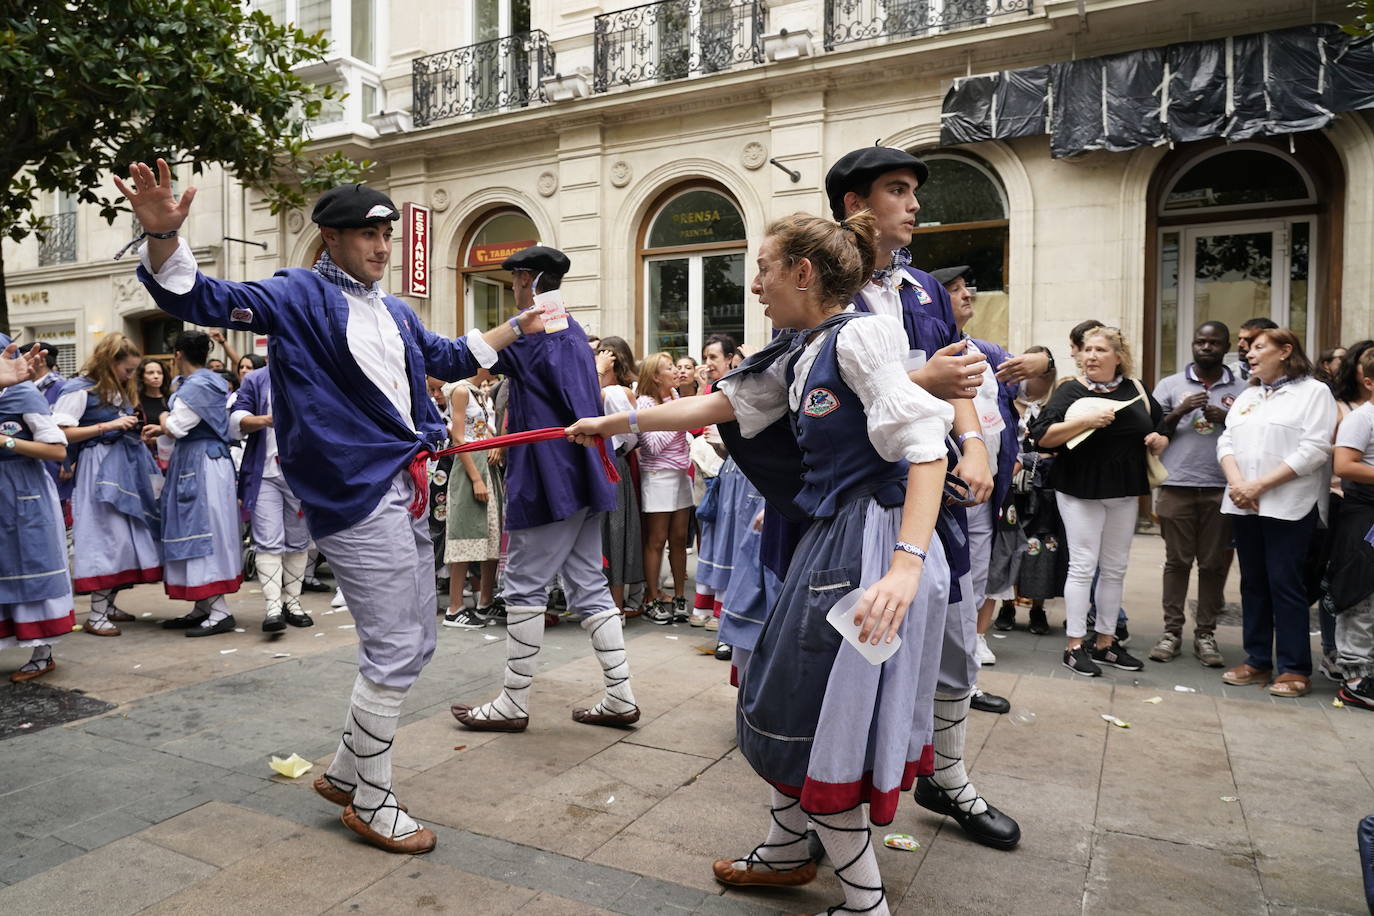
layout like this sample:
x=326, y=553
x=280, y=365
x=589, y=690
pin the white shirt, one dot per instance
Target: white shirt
x=43, y=429
x=904, y=420
x=1292, y=426
x=181, y=419
x=270, y=466
x=70, y=407
x=883, y=298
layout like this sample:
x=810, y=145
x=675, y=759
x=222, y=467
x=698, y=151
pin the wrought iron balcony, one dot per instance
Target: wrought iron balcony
x=673, y=39
x=58, y=244
x=861, y=20
x=493, y=75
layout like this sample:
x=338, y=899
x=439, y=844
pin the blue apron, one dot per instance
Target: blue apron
x=33, y=565
x=186, y=532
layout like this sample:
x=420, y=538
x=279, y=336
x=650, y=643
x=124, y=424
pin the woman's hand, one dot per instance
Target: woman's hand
x=121, y=423
x=1156, y=443
x=588, y=431
x=881, y=610
x=1100, y=418
x=495, y=457
x=479, y=490
x=1246, y=494
x=150, y=433
x=757, y=524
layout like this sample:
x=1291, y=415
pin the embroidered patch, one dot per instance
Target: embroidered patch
x=922, y=296
x=11, y=428
x=241, y=316
x=819, y=402
x=380, y=211
x=1228, y=401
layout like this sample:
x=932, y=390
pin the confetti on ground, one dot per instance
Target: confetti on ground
x=901, y=841
x=318, y=635
x=292, y=767
x=77, y=626
x=611, y=800
x=488, y=636
x=146, y=614
x=1336, y=702
x=1179, y=688
x=1119, y=723
x=670, y=637
x=26, y=725
x=240, y=630
x=1154, y=701
x=346, y=626
x=281, y=654
x=999, y=635
x=227, y=651
x=136, y=667
x=1229, y=798
x=706, y=650
x=461, y=747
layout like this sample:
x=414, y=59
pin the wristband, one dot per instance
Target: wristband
x=161, y=235
x=634, y=422
x=912, y=549
x=964, y=437
x=515, y=326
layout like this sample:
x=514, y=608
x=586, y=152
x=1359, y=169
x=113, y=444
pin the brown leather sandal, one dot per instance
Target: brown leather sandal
x=764, y=876
x=421, y=841
x=587, y=717
x=465, y=717
x=1291, y=685
x=330, y=792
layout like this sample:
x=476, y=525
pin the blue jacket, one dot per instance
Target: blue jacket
x=254, y=396
x=340, y=440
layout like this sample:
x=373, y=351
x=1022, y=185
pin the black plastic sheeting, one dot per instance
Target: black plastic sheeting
x=1259, y=85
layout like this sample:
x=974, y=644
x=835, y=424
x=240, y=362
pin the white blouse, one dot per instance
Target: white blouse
x=904, y=420
x=70, y=407
x=1292, y=426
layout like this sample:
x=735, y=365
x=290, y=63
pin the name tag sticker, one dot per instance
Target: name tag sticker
x=241, y=316
x=914, y=360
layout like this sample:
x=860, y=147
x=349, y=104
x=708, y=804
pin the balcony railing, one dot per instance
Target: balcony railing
x=673, y=39
x=863, y=20
x=493, y=75
x=58, y=244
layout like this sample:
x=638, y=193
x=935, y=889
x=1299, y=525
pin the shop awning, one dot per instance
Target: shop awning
x=1259, y=85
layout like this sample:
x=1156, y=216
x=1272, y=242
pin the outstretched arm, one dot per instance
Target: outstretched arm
x=682, y=414
x=156, y=207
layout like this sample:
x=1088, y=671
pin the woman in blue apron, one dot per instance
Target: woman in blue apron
x=115, y=519
x=35, y=589
x=828, y=730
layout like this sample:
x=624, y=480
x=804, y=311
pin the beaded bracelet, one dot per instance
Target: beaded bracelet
x=910, y=548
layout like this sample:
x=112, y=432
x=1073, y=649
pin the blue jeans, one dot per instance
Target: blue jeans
x=1273, y=598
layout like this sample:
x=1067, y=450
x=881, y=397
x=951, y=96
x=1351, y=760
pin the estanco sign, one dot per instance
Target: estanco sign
x=416, y=220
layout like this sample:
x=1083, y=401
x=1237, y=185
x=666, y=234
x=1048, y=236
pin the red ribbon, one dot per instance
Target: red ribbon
x=419, y=466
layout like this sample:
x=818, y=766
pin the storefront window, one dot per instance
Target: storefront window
x=489, y=290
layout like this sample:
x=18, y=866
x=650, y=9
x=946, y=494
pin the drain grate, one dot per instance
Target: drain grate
x=27, y=708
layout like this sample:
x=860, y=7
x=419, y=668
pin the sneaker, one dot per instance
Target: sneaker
x=495, y=614
x=983, y=653
x=338, y=599
x=1123, y=635
x=1006, y=617
x=558, y=602
x=1331, y=668
x=1169, y=647
x=1117, y=657
x=698, y=620
x=680, y=613
x=1039, y=623
x=1361, y=695
x=1080, y=662
x=1205, y=648
x=464, y=619
x=659, y=613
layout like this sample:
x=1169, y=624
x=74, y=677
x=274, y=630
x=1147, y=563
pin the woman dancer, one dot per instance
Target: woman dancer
x=827, y=729
x=115, y=519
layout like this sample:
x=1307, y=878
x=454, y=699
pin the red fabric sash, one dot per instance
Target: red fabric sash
x=419, y=469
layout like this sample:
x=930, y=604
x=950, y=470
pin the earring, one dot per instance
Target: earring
x=803, y=288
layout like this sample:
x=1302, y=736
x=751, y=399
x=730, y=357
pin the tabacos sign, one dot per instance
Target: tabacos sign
x=416, y=262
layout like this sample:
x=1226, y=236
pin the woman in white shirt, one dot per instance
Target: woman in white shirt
x=1276, y=453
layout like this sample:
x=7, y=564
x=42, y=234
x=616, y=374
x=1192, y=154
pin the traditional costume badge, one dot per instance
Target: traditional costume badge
x=819, y=402
x=11, y=428
x=922, y=296
x=1228, y=401
x=241, y=316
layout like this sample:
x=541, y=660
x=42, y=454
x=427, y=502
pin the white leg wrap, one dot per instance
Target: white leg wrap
x=608, y=641
x=524, y=639
x=293, y=575
x=270, y=577
x=375, y=710
x=950, y=775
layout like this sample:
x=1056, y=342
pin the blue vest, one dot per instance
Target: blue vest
x=185, y=510
x=838, y=459
x=33, y=564
x=97, y=412
x=16, y=401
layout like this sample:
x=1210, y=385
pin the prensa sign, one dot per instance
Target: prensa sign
x=416, y=221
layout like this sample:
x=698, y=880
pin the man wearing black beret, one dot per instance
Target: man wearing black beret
x=354, y=425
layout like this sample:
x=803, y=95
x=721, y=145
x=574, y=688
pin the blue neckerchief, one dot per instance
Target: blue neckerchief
x=1103, y=387
x=326, y=268
x=1278, y=383
x=1190, y=373
x=900, y=258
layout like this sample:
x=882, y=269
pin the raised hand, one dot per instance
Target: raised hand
x=12, y=370
x=151, y=198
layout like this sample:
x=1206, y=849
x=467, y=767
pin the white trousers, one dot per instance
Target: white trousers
x=1099, y=532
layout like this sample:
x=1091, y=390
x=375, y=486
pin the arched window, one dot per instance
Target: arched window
x=1237, y=233
x=963, y=220
x=692, y=250
x=487, y=293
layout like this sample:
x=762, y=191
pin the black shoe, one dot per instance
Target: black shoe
x=184, y=623
x=297, y=617
x=557, y=603
x=1123, y=635
x=1117, y=657
x=724, y=653
x=273, y=622
x=680, y=613
x=465, y=619
x=987, y=702
x=1006, y=617
x=1039, y=623
x=1361, y=696
x=991, y=828
x=226, y=625
x=313, y=584
x=1080, y=662
x=496, y=614
x=658, y=612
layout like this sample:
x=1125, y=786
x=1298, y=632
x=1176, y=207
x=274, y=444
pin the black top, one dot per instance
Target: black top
x=151, y=408
x=1111, y=461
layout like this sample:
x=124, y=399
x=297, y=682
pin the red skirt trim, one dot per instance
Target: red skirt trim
x=209, y=590
x=115, y=580
x=836, y=797
x=38, y=629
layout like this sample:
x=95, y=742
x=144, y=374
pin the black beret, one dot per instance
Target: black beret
x=947, y=275
x=353, y=206
x=862, y=166
x=539, y=258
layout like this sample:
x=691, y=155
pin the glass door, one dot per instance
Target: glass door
x=693, y=297
x=500, y=70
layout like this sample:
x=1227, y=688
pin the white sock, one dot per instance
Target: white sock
x=950, y=775
x=270, y=576
x=846, y=839
x=785, y=847
x=524, y=639
x=42, y=654
x=102, y=602
x=343, y=769
x=376, y=710
x=608, y=640
x=215, y=609
x=293, y=576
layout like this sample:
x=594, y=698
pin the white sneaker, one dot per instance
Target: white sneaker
x=983, y=653
x=338, y=599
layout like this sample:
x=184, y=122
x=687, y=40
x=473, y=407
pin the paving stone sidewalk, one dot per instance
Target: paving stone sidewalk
x=166, y=804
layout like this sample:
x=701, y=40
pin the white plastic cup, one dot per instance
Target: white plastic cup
x=841, y=617
x=553, y=310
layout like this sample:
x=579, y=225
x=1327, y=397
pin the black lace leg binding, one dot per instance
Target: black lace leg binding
x=781, y=864
x=841, y=869
x=612, y=681
x=954, y=793
x=345, y=739
x=369, y=815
